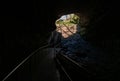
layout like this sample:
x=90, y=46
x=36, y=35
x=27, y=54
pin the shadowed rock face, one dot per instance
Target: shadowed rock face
x=22, y=33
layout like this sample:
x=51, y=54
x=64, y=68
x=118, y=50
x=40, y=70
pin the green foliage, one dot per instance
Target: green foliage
x=74, y=19
x=59, y=21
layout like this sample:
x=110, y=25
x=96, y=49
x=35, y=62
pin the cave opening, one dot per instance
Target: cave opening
x=72, y=30
x=68, y=25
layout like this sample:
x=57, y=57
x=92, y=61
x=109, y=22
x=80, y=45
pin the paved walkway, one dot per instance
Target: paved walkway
x=46, y=70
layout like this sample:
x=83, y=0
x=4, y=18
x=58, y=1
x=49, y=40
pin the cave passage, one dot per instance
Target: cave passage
x=72, y=42
x=88, y=31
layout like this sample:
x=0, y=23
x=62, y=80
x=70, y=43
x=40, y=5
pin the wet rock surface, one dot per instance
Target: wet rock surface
x=81, y=52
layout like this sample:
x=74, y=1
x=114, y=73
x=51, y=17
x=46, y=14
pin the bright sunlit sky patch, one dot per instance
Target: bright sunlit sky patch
x=63, y=17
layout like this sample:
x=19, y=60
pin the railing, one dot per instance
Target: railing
x=17, y=71
x=25, y=65
x=73, y=70
x=68, y=68
x=64, y=76
x=24, y=70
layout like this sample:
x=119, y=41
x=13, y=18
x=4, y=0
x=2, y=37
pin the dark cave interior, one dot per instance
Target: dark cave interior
x=33, y=21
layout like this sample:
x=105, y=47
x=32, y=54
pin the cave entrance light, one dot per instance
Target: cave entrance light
x=67, y=25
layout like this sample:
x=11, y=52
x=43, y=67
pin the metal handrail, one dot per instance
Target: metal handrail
x=73, y=61
x=79, y=65
x=21, y=63
x=63, y=69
